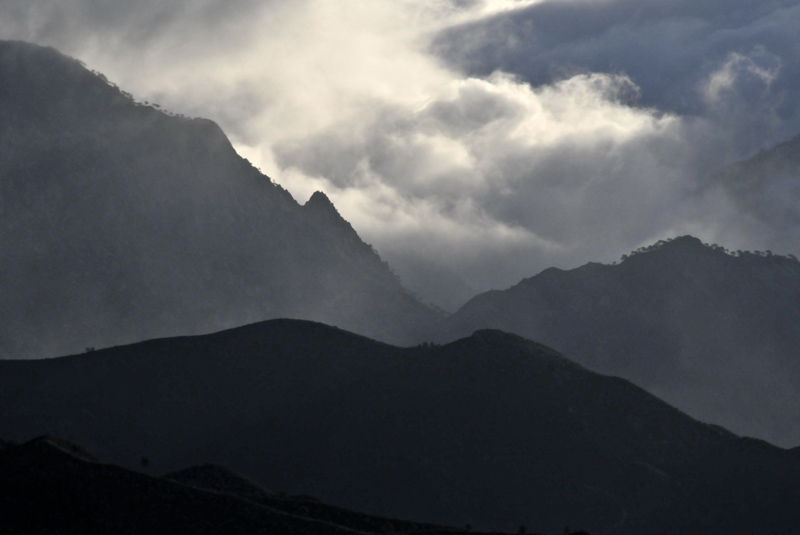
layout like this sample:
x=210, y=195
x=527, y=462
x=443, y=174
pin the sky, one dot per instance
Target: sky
x=471, y=142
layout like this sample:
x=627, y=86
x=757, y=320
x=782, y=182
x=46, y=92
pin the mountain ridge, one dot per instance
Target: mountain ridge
x=419, y=433
x=121, y=222
x=680, y=318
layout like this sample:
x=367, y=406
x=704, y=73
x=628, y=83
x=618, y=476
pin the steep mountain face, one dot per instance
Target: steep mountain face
x=715, y=334
x=491, y=430
x=120, y=222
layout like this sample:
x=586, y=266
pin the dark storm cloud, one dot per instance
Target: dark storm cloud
x=669, y=49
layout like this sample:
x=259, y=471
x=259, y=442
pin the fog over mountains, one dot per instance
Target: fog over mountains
x=764, y=188
x=121, y=222
x=490, y=139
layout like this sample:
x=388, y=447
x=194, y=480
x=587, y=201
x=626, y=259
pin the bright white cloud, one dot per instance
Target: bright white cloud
x=488, y=176
x=491, y=165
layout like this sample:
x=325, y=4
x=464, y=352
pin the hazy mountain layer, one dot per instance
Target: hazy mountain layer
x=491, y=430
x=766, y=187
x=713, y=333
x=120, y=222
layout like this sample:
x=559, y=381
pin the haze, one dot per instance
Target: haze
x=473, y=142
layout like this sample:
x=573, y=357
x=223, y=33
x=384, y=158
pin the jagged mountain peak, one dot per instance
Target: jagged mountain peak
x=319, y=205
x=122, y=222
x=320, y=201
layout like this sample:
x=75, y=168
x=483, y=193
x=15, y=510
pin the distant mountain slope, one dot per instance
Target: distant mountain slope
x=120, y=223
x=714, y=334
x=766, y=187
x=491, y=430
x=48, y=486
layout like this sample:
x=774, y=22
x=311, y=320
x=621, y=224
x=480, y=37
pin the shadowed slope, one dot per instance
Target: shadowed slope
x=716, y=335
x=120, y=222
x=492, y=430
x=46, y=488
x=221, y=479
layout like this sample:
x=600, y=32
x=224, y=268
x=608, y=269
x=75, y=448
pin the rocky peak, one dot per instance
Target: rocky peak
x=319, y=201
x=150, y=224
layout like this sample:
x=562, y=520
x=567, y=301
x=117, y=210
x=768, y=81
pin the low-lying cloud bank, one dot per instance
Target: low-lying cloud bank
x=494, y=175
x=490, y=139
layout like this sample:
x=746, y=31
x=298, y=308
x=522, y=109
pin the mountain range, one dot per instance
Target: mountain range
x=713, y=332
x=491, y=430
x=121, y=222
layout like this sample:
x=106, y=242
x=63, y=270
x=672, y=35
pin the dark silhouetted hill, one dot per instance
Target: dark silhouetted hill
x=120, y=222
x=492, y=430
x=47, y=488
x=221, y=479
x=716, y=334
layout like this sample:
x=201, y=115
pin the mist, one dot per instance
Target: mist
x=476, y=141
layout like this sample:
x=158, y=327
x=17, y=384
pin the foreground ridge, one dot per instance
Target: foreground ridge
x=50, y=485
x=492, y=430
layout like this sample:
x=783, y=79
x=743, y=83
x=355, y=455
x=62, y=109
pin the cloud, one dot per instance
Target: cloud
x=740, y=98
x=742, y=74
x=490, y=138
x=668, y=49
x=494, y=168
